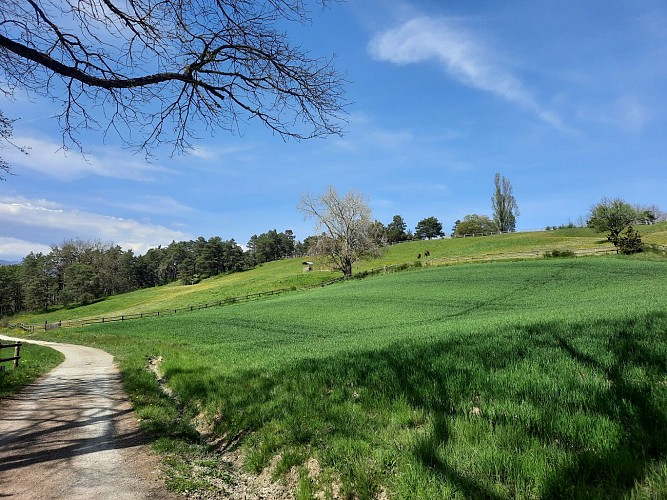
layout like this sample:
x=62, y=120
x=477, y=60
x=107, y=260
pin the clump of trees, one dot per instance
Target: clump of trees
x=616, y=217
x=81, y=272
x=271, y=246
x=474, y=224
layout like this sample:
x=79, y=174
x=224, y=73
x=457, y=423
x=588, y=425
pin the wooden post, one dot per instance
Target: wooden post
x=17, y=351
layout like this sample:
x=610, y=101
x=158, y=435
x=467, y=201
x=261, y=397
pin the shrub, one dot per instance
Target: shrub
x=553, y=254
x=630, y=242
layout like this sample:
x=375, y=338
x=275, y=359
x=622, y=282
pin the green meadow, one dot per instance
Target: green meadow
x=545, y=378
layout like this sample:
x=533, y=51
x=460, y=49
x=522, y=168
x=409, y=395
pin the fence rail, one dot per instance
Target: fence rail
x=473, y=235
x=15, y=358
x=656, y=246
x=22, y=326
x=253, y=296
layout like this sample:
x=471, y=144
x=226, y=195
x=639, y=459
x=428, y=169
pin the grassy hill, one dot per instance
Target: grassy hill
x=289, y=273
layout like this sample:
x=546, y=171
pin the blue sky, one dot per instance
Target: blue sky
x=565, y=99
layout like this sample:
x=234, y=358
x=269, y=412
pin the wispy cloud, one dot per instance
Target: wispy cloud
x=25, y=216
x=463, y=56
x=49, y=158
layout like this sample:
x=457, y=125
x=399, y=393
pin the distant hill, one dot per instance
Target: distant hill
x=8, y=262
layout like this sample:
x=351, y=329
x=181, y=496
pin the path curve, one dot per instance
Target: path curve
x=72, y=434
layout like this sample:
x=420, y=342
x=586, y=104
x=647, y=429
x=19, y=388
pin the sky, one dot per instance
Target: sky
x=565, y=99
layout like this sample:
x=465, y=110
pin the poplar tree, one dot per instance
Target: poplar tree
x=503, y=203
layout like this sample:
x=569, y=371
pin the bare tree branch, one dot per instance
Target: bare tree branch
x=169, y=67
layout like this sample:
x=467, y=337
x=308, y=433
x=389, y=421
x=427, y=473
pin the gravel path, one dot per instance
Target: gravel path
x=73, y=435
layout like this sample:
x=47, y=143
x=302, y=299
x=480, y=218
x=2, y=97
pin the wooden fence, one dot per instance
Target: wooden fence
x=473, y=235
x=15, y=358
x=22, y=326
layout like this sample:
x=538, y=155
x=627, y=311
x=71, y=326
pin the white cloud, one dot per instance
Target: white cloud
x=50, y=159
x=464, y=57
x=14, y=249
x=36, y=217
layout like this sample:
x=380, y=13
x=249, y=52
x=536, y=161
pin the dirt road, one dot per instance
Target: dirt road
x=73, y=435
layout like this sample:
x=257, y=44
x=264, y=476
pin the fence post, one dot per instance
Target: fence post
x=17, y=351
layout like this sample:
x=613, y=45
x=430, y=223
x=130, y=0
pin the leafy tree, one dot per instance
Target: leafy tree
x=505, y=209
x=232, y=257
x=612, y=217
x=11, y=293
x=649, y=215
x=429, y=227
x=396, y=230
x=82, y=284
x=168, y=65
x=37, y=281
x=211, y=259
x=456, y=225
x=347, y=224
x=474, y=224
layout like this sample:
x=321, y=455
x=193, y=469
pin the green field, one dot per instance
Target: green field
x=534, y=379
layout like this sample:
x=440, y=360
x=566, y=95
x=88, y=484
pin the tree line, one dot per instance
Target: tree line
x=82, y=272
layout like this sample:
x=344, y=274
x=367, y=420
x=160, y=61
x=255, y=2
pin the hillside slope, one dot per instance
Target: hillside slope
x=288, y=273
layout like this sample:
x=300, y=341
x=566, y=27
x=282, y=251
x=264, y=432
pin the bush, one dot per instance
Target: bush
x=554, y=254
x=630, y=242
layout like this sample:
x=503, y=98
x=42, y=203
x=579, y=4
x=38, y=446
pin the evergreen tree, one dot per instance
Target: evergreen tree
x=428, y=228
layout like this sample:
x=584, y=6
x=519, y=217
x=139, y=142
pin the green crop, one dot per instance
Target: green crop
x=535, y=379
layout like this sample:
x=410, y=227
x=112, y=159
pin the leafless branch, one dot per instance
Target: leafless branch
x=169, y=67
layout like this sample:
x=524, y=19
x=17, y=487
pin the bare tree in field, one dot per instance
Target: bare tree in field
x=346, y=224
x=153, y=70
x=505, y=209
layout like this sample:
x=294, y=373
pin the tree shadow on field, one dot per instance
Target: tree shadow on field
x=346, y=397
x=635, y=407
x=426, y=449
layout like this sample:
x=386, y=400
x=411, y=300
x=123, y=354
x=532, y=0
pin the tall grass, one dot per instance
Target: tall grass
x=540, y=379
